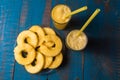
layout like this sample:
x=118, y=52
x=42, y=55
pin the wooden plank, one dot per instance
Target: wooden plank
x=99, y=61
x=102, y=42
x=46, y=16
x=9, y=26
x=71, y=69
x=115, y=57
x=31, y=14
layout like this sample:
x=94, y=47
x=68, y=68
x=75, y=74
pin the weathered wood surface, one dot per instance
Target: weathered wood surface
x=99, y=61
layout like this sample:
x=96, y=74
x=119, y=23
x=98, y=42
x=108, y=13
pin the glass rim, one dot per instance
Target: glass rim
x=57, y=21
x=68, y=46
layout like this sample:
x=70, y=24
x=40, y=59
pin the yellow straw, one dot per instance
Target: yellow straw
x=77, y=11
x=88, y=21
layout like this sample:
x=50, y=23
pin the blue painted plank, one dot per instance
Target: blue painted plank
x=9, y=26
x=71, y=69
x=115, y=49
x=102, y=42
x=99, y=61
x=31, y=13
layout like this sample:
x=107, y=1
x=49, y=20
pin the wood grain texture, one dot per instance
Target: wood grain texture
x=47, y=15
x=71, y=69
x=9, y=29
x=102, y=42
x=100, y=60
x=31, y=13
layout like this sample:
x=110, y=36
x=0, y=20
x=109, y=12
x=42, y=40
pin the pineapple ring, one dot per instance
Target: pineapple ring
x=36, y=66
x=39, y=31
x=49, y=44
x=48, y=61
x=46, y=42
x=48, y=30
x=53, y=51
x=30, y=54
x=33, y=40
x=57, y=62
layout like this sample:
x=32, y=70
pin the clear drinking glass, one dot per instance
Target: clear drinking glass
x=58, y=15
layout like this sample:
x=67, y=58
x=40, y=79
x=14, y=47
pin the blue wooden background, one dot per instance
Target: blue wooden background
x=99, y=61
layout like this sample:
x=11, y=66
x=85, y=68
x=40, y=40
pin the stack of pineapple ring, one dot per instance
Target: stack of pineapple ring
x=38, y=48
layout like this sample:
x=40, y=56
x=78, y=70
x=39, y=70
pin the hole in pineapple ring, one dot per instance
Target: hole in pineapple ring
x=53, y=58
x=54, y=45
x=25, y=40
x=52, y=51
x=36, y=49
x=31, y=38
x=24, y=54
x=34, y=62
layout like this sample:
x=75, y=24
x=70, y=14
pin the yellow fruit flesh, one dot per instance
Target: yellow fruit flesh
x=39, y=63
x=57, y=62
